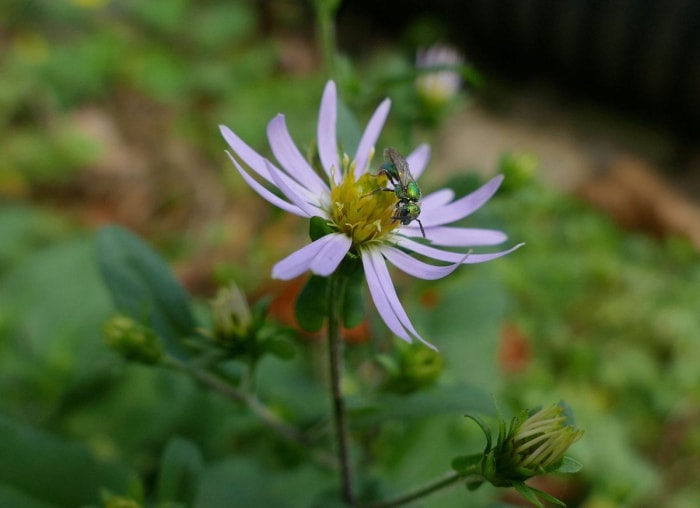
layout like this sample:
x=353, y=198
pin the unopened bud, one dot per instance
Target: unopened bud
x=535, y=443
x=132, y=340
x=232, y=316
x=410, y=368
x=440, y=86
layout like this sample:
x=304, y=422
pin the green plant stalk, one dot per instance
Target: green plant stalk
x=237, y=395
x=325, y=27
x=335, y=362
x=425, y=490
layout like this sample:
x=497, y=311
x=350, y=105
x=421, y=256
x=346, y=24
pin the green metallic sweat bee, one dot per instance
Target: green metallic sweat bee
x=405, y=187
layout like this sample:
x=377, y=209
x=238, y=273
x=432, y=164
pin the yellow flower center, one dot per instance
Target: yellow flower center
x=360, y=209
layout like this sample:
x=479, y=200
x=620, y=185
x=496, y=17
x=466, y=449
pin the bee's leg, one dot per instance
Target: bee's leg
x=377, y=190
x=421, y=227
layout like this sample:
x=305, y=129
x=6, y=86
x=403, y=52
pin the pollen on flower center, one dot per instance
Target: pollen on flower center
x=357, y=210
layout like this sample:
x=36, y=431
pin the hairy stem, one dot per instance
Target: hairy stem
x=425, y=490
x=251, y=401
x=335, y=361
x=231, y=392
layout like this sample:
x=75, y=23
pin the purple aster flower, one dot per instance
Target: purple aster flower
x=363, y=221
x=439, y=86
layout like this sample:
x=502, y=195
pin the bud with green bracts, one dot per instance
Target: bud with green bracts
x=133, y=340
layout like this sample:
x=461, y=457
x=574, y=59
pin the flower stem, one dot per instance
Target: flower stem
x=425, y=490
x=325, y=14
x=267, y=417
x=237, y=395
x=335, y=360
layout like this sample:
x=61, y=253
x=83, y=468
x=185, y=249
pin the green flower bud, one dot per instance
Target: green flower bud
x=232, y=317
x=519, y=170
x=410, y=367
x=534, y=444
x=132, y=340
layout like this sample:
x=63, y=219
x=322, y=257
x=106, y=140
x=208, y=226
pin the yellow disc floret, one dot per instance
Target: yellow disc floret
x=359, y=208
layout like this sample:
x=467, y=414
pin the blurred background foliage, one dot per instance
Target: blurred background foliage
x=108, y=113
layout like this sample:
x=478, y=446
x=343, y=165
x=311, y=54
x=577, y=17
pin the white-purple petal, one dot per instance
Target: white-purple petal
x=412, y=231
x=265, y=193
x=300, y=197
x=382, y=304
x=332, y=253
x=289, y=157
x=253, y=159
x=410, y=265
x=462, y=207
x=326, y=132
x=451, y=257
x=261, y=166
x=370, y=137
x=319, y=254
x=436, y=199
x=385, y=297
x=418, y=160
x=461, y=237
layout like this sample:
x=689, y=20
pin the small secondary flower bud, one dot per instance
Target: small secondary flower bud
x=132, y=340
x=232, y=316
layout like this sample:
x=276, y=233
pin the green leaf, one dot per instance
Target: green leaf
x=281, y=348
x=528, y=493
x=143, y=287
x=238, y=481
x=318, y=228
x=473, y=485
x=47, y=471
x=353, y=309
x=569, y=465
x=52, y=307
x=181, y=469
x=16, y=499
x=311, y=305
x=532, y=494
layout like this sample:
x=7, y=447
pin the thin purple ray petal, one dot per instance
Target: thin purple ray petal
x=462, y=207
x=326, y=132
x=289, y=157
x=318, y=254
x=330, y=256
x=300, y=197
x=418, y=160
x=447, y=236
x=253, y=159
x=370, y=137
x=450, y=257
x=256, y=162
x=265, y=193
x=385, y=298
x=436, y=199
x=412, y=266
x=382, y=304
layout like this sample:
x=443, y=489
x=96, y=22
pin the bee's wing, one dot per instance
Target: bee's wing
x=400, y=164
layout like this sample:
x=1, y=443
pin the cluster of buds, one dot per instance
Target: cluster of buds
x=534, y=443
